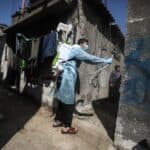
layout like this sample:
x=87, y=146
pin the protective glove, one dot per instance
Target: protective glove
x=109, y=61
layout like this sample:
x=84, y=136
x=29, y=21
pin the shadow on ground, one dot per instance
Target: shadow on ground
x=107, y=110
x=142, y=145
x=17, y=110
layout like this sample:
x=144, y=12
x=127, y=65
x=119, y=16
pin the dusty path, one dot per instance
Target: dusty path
x=28, y=126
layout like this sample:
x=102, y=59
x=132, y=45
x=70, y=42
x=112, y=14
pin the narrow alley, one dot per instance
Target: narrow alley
x=75, y=75
x=27, y=125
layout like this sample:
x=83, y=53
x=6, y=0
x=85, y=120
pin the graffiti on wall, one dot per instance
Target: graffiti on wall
x=136, y=84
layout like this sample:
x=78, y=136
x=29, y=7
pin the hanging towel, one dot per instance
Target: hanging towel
x=49, y=45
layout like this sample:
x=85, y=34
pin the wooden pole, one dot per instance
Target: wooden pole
x=23, y=6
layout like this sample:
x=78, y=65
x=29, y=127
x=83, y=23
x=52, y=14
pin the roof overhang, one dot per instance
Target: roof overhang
x=52, y=7
x=100, y=7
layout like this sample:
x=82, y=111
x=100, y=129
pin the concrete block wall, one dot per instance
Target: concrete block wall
x=133, y=121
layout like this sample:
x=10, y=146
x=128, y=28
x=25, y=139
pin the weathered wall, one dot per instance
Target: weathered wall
x=97, y=31
x=133, y=122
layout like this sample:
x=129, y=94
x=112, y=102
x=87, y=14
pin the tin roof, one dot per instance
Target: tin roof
x=101, y=8
x=50, y=8
x=59, y=6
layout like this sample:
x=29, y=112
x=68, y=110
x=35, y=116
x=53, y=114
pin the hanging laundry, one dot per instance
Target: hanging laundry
x=64, y=27
x=35, y=47
x=33, y=61
x=49, y=45
x=23, y=46
x=23, y=65
x=66, y=33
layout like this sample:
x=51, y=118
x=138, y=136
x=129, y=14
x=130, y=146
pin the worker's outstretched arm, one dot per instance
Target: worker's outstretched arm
x=80, y=54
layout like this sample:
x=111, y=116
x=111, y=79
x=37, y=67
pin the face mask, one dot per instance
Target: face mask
x=86, y=47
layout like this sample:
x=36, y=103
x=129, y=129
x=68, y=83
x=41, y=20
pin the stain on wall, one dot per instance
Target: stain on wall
x=133, y=121
x=136, y=87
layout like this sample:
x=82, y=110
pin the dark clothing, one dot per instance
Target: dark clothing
x=114, y=93
x=64, y=113
x=115, y=79
x=23, y=47
x=49, y=45
x=114, y=85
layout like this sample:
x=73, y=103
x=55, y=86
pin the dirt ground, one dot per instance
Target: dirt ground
x=27, y=125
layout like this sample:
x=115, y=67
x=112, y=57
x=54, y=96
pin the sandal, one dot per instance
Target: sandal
x=57, y=123
x=69, y=130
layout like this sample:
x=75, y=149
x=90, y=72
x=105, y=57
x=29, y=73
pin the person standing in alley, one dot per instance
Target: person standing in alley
x=114, y=84
x=65, y=93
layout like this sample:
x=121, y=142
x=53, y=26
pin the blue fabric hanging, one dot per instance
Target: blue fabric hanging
x=49, y=45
